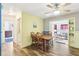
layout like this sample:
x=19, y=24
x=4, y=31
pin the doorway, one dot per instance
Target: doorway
x=60, y=34
x=60, y=31
x=8, y=35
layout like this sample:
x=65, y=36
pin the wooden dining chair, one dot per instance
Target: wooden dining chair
x=34, y=39
x=50, y=33
x=40, y=41
x=51, y=40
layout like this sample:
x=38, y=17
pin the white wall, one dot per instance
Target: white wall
x=76, y=15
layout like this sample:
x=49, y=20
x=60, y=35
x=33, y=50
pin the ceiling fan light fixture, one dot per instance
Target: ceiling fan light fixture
x=57, y=12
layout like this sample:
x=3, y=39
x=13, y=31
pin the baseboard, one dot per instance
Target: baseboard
x=74, y=51
x=15, y=44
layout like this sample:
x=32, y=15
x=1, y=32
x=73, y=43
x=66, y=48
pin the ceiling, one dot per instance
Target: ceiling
x=39, y=9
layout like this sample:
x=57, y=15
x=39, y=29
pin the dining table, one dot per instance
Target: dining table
x=46, y=39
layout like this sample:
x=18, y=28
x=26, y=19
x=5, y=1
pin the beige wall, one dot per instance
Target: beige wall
x=76, y=40
x=27, y=27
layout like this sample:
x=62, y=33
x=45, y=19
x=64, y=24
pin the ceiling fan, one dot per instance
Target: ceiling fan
x=58, y=7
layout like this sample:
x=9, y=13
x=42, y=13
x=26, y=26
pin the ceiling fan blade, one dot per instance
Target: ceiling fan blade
x=49, y=6
x=66, y=4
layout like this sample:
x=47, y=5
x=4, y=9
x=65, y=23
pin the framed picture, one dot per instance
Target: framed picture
x=64, y=26
x=34, y=25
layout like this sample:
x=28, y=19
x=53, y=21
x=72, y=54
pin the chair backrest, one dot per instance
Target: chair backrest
x=32, y=33
x=38, y=35
x=50, y=33
x=47, y=33
x=33, y=36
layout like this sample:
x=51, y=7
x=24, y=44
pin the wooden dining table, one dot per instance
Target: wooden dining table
x=46, y=39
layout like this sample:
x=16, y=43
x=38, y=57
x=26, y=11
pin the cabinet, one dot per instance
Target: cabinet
x=71, y=31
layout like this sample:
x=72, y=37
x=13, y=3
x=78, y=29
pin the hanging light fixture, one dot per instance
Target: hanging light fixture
x=56, y=12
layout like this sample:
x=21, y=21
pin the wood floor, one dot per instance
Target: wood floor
x=57, y=49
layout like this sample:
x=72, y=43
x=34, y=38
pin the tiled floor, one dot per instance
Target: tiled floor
x=7, y=49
